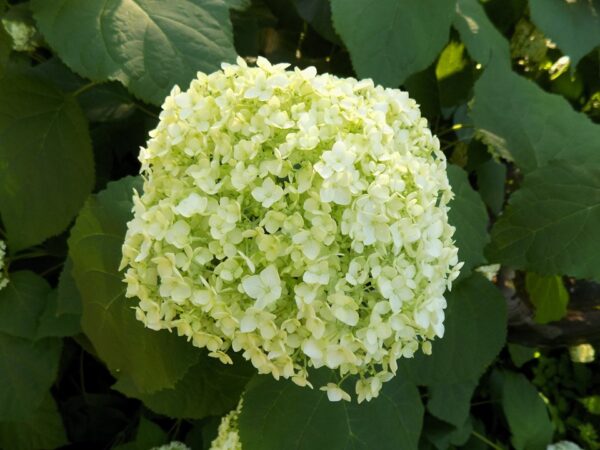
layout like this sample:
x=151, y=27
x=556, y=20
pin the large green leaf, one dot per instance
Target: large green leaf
x=469, y=216
x=52, y=323
x=549, y=296
x=46, y=162
x=451, y=402
x=534, y=126
x=209, y=388
x=573, y=25
x=279, y=414
x=482, y=39
x=491, y=178
x=475, y=333
x=154, y=360
x=28, y=370
x=148, y=45
x=30, y=309
x=62, y=312
x=22, y=302
x=525, y=412
x=39, y=430
x=551, y=224
x=389, y=40
x=69, y=299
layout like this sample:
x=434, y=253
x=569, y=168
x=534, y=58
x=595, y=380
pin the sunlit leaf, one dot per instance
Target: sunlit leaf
x=148, y=45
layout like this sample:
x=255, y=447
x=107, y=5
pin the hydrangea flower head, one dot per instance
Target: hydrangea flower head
x=228, y=437
x=175, y=445
x=564, y=445
x=300, y=219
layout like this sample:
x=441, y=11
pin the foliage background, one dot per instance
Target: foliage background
x=511, y=87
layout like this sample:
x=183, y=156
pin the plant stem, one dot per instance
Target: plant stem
x=84, y=88
x=146, y=111
x=455, y=127
x=485, y=440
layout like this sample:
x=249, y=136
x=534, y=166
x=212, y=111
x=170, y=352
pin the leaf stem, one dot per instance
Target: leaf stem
x=146, y=111
x=455, y=127
x=485, y=440
x=34, y=254
x=84, y=88
x=52, y=269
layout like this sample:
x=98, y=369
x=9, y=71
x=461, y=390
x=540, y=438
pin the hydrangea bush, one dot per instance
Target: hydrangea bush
x=298, y=218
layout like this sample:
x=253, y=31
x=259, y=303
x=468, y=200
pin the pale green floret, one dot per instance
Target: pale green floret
x=564, y=445
x=299, y=219
x=228, y=437
x=3, y=275
x=175, y=445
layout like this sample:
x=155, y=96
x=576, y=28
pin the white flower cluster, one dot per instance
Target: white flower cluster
x=228, y=437
x=564, y=445
x=175, y=445
x=3, y=277
x=300, y=219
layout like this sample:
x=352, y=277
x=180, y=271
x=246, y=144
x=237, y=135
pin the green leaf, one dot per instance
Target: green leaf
x=573, y=25
x=451, y=402
x=279, y=414
x=52, y=323
x=389, y=40
x=551, y=224
x=592, y=404
x=54, y=71
x=209, y=388
x=444, y=436
x=423, y=87
x=469, y=216
x=454, y=73
x=22, y=302
x=475, y=334
x=46, y=161
x=548, y=295
x=62, y=313
x=238, y=5
x=491, y=177
x=28, y=370
x=482, y=39
x=318, y=14
x=41, y=429
x=525, y=412
x=154, y=360
x=69, y=299
x=532, y=125
x=451, y=60
x=520, y=354
x=107, y=102
x=148, y=45
x=149, y=435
